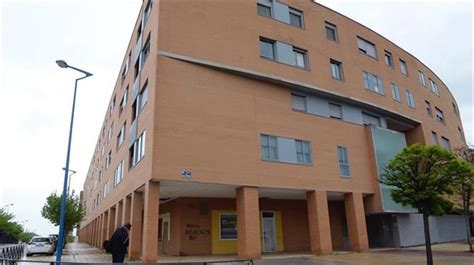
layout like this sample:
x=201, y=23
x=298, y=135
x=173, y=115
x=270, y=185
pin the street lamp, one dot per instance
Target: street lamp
x=69, y=179
x=63, y=64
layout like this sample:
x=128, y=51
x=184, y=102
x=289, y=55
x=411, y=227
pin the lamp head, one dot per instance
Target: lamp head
x=62, y=64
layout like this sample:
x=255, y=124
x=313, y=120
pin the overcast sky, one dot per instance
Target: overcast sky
x=36, y=94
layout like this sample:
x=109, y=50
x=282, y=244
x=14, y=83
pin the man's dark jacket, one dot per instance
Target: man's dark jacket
x=119, y=241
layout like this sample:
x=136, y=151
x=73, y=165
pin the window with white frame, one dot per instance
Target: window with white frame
x=300, y=57
x=137, y=150
x=123, y=101
x=369, y=119
x=121, y=135
x=395, y=92
x=336, y=69
x=118, y=173
x=296, y=18
x=106, y=189
x=410, y=99
x=335, y=111
x=373, y=83
x=388, y=58
x=331, y=31
x=434, y=87
x=267, y=48
x=440, y=116
x=367, y=47
x=298, y=102
x=434, y=137
x=421, y=78
x=344, y=166
x=445, y=142
x=303, y=152
x=269, y=147
x=403, y=67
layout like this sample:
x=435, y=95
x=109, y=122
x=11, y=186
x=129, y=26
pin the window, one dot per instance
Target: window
x=123, y=101
x=108, y=160
x=269, y=147
x=140, y=102
x=369, y=119
x=336, y=69
x=137, y=151
x=139, y=32
x=335, y=111
x=303, y=152
x=118, y=174
x=395, y=92
x=440, y=116
x=410, y=99
x=455, y=109
x=388, y=58
x=428, y=108
x=461, y=133
x=403, y=67
x=298, y=102
x=109, y=133
x=434, y=87
x=264, y=10
x=112, y=105
x=147, y=12
x=434, y=137
x=331, y=31
x=145, y=50
x=296, y=18
x=445, y=143
x=106, y=189
x=421, y=78
x=267, y=48
x=228, y=226
x=300, y=57
x=100, y=175
x=344, y=167
x=373, y=83
x=121, y=136
x=367, y=47
x=127, y=65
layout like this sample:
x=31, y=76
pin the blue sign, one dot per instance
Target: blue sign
x=186, y=173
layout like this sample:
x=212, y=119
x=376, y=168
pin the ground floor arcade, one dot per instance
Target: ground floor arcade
x=178, y=219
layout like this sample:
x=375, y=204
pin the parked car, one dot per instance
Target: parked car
x=40, y=245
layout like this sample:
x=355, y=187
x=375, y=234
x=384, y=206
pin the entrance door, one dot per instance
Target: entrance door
x=269, y=235
x=164, y=232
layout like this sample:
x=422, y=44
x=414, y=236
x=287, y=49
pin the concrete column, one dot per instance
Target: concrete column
x=118, y=215
x=356, y=226
x=105, y=218
x=150, y=222
x=136, y=222
x=318, y=220
x=97, y=236
x=248, y=223
x=127, y=202
x=111, y=223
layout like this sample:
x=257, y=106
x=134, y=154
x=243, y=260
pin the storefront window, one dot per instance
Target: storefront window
x=228, y=226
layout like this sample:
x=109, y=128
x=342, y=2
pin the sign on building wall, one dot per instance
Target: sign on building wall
x=228, y=226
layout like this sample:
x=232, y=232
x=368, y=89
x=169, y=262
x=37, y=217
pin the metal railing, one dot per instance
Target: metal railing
x=12, y=252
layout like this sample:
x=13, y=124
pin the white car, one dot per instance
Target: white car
x=40, y=244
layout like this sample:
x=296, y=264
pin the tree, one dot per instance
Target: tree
x=74, y=211
x=11, y=228
x=422, y=176
x=464, y=185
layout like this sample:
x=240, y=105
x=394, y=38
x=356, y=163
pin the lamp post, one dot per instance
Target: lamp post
x=69, y=179
x=59, y=251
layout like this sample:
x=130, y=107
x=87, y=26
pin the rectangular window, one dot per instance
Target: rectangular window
x=296, y=18
x=369, y=119
x=108, y=160
x=109, y=133
x=127, y=65
x=298, y=102
x=336, y=69
x=267, y=48
x=145, y=50
x=388, y=58
x=121, y=136
x=303, y=152
x=403, y=67
x=367, y=47
x=140, y=102
x=410, y=99
x=228, y=226
x=112, y=105
x=300, y=57
x=123, y=101
x=147, y=12
x=429, y=111
x=331, y=31
x=445, y=143
x=264, y=10
x=440, y=116
x=461, y=133
x=269, y=147
x=373, y=83
x=335, y=111
x=455, y=109
x=118, y=174
x=137, y=150
x=434, y=137
x=106, y=189
x=344, y=167
x=396, y=92
x=434, y=87
x=421, y=78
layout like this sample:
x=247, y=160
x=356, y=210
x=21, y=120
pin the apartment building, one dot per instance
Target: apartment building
x=257, y=126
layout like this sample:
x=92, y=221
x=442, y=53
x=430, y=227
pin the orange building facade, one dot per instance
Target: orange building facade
x=257, y=126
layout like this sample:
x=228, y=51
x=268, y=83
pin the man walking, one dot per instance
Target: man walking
x=119, y=243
